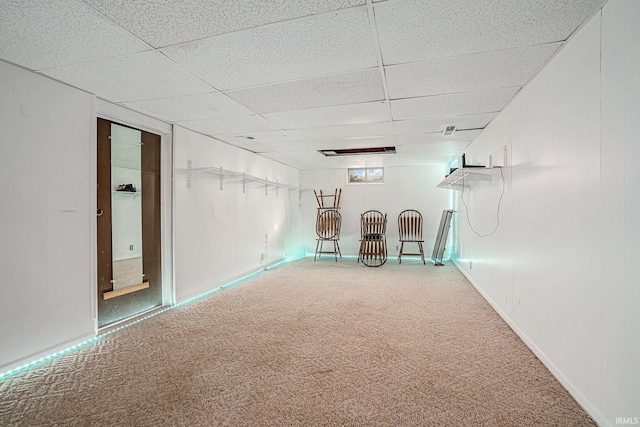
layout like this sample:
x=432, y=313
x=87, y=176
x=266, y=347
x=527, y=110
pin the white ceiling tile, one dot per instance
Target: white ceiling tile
x=249, y=145
x=144, y=75
x=166, y=22
x=243, y=125
x=309, y=47
x=229, y=138
x=331, y=144
x=274, y=155
x=465, y=136
x=299, y=76
x=413, y=30
x=278, y=157
x=240, y=141
x=513, y=67
x=361, y=86
x=305, y=155
x=368, y=112
x=272, y=136
x=203, y=126
x=200, y=106
x=344, y=144
x=367, y=130
x=450, y=150
x=284, y=147
x=40, y=34
x=437, y=124
x=483, y=101
x=297, y=164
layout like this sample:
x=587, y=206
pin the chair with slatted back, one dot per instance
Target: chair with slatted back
x=328, y=230
x=326, y=201
x=373, y=238
x=410, y=231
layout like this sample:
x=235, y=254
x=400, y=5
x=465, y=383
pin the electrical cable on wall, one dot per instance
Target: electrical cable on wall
x=497, y=210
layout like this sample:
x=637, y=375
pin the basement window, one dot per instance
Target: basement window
x=365, y=175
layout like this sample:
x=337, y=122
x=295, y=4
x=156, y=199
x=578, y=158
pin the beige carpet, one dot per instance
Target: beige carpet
x=305, y=344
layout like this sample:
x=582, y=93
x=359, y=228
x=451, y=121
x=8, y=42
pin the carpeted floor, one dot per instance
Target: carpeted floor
x=305, y=344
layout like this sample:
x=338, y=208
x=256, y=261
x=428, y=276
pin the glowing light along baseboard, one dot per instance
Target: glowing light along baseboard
x=37, y=362
x=46, y=358
x=417, y=260
x=29, y=365
x=453, y=204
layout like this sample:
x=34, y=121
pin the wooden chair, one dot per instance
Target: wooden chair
x=328, y=200
x=328, y=225
x=373, y=238
x=410, y=231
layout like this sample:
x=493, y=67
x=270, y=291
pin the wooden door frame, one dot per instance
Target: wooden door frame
x=118, y=114
x=146, y=294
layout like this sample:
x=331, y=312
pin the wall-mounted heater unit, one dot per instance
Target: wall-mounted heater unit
x=358, y=151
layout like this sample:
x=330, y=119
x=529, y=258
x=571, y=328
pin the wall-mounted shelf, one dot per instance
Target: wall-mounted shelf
x=245, y=178
x=455, y=180
x=133, y=194
x=123, y=291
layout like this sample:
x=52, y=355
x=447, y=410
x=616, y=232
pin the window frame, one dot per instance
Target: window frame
x=367, y=179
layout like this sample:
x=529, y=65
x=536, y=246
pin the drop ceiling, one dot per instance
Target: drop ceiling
x=285, y=78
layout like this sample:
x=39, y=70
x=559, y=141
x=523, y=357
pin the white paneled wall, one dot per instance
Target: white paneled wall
x=620, y=195
x=411, y=187
x=560, y=268
x=221, y=235
x=46, y=216
x=47, y=222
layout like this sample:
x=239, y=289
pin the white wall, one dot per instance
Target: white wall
x=561, y=267
x=221, y=235
x=47, y=131
x=47, y=218
x=620, y=203
x=411, y=187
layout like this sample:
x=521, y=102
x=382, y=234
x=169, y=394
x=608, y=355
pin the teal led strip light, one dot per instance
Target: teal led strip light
x=29, y=365
x=453, y=247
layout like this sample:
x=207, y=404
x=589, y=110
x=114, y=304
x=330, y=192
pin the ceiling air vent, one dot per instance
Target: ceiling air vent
x=358, y=151
x=449, y=130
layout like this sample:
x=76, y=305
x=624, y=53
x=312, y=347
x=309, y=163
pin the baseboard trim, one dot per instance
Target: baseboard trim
x=44, y=355
x=555, y=371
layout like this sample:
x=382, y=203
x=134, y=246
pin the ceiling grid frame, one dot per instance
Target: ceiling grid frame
x=376, y=41
x=301, y=107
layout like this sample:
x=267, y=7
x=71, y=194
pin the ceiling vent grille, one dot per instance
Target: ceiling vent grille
x=358, y=151
x=449, y=130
